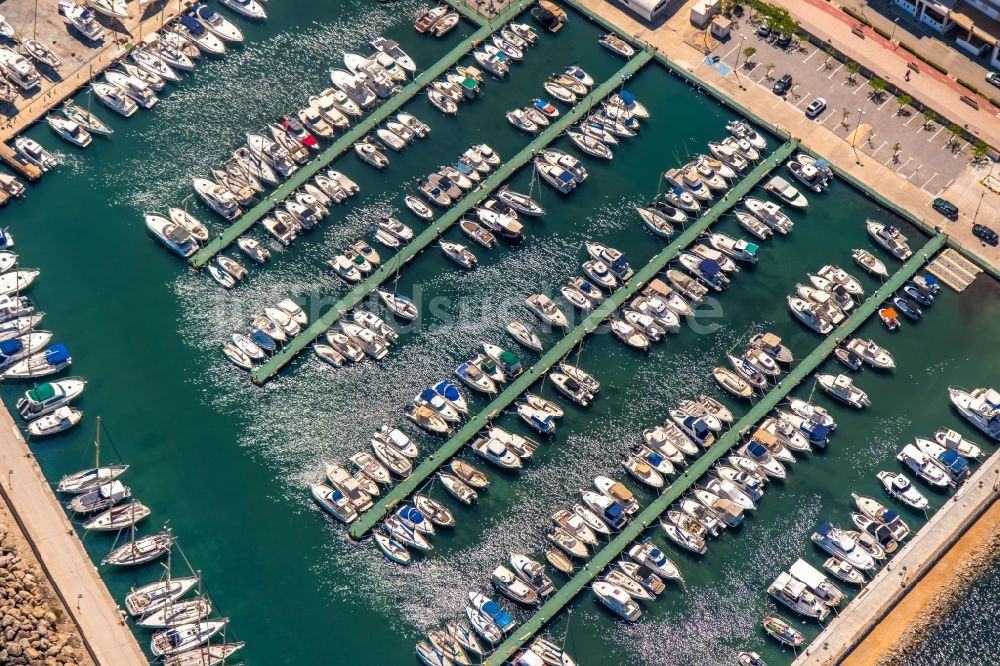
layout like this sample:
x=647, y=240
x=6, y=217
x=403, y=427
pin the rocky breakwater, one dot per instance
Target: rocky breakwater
x=34, y=626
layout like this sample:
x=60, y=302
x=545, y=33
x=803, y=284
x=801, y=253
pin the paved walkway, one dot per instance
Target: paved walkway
x=958, y=563
x=913, y=561
x=62, y=555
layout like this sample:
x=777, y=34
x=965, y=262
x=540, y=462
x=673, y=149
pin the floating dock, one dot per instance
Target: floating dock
x=363, y=289
x=954, y=270
x=562, y=349
x=370, y=122
x=650, y=515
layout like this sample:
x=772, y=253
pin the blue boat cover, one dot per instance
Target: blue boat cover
x=586, y=287
x=757, y=449
x=709, y=267
x=447, y=390
x=825, y=529
x=566, y=177
x=654, y=458
x=818, y=432
x=620, y=263
x=930, y=279
x=701, y=429
x=191, y=23
x=954, y=461
x=614, y=510
x=57, y=354
x=204, y=11
x=498, y=614
x=337, y=495
x=542, y=104
x=9, y=347
x=627, y=97
x=428, y=395
x=822, y=164
x=657, y=555
x=890, y=516
x=501, y=56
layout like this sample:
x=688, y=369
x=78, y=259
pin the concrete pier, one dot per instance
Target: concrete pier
x=891, y=585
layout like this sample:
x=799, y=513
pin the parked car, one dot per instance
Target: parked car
x=784, y=39
x=946, y=208
x=782, y=85
x=985, y=234
x=816, y=107
x=764, y=30
x=994, y=78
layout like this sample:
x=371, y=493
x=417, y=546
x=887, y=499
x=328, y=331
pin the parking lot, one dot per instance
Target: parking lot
x=900, y=139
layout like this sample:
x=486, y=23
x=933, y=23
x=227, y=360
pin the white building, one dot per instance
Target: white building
x=648, y=10
x=974, y=24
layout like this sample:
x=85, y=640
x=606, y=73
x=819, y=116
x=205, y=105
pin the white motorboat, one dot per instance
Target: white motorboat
x=842, y=388
x=49, y=361
x=248, y=8
x=115, y=9
x=216, y=23
x=899, y=487
x=172, y=235
x=217, y=198
x=559, y=178
x=60, y=420
x=870, y=263
x=923, y=466
x=786, y=192
x=739, y=250
x=82, y=19
x=770, y=214
x=980, y=407
x=954, y=441
x=836, y=542
x=871, y=353
x=135, y=88
x=546, y=310
x=154, y=64
x=809, y=314
x=31, y=151
x=19, y=69
x=69, y=130
x=793, y=594
x=890, y=238
x=334, y=502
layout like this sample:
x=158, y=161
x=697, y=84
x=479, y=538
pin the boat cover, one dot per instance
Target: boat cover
x=818, y=432
x=205, y=12
x=10, y=347
x=57, y=354
x=930, y=279
x=757, y=449
x=191, y=23
x=566, y=177
x=447, y=390
x=42, y=393
x=955, y=463
x=751, y=248
x=825, y=529
x=626, y=97
x=709, y=268
x=497, y=614
x=541, y=104
x=614, y=511
x=510, y=359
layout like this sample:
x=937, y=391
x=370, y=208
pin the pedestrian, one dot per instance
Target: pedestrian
x=907, y=75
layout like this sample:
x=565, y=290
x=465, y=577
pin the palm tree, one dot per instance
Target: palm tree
x=845, y=113
x=748, y=53
x=852, y=70
x=895, y=152
x=904, y=101
x=929, y=118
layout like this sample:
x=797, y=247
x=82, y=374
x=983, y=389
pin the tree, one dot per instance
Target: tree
x=877, y=85
x=852, y=70
x=979, y=150
x=770, y=68
x=830, y=55
x=748, y=53
x=845, y=113
x=904, y=101
x=895, y=152
x=929, y=118
x=956, y=133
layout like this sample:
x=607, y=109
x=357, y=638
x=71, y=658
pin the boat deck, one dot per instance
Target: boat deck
x=648, y=517
x=433, y=232
x=568, y=342
x=954, y=269
x=370, y=122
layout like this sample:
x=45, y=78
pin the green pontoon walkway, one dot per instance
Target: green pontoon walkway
x=649, y=516
x=353, y=135
x=566, y=344
x=391, y=267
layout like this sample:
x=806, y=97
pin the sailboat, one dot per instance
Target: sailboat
x=140, y=551
x=87, y=480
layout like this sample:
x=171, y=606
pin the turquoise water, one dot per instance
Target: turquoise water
x=227, y=465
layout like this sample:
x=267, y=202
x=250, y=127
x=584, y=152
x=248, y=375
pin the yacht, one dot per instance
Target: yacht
x=817, y=584
x=924, y=466
x=981, y=407
x=100, y=497
x=48, y=397
x=82, y=19
x=842, y=388
x=19, y=69
x=793, y=594
x=760, y=230
x=476, y=379
x=469, y=474
x=46, y=362
x=890, y=238
x=31, y=151
x=58, y=421
x=69, y=130
x=133, y=87
x=557, y=177
x=140, y=551
x=740, y=250
x=836, y=542
x=770, y=214
x=154, y=63
x=649, y=555
x=248, y=8
x=617, y=600
x=172, y=235
x=781, y=631
x=899, y=487
x=684, y=539
x=213, y=22
x=954, y=441
x=870, y=263
x=217, y=198
x=809, y=314
x=335, y=503
x=871, y=353
x=180, y=639
x=742, y=130
x=524, y=335
x=781, y=189
x=546, y=310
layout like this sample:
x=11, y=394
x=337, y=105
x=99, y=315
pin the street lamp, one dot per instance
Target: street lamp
x=854, y=138
x=736, y=67
x=895, y=22
x=981, y=195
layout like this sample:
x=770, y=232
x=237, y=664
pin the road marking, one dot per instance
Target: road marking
x=908, y=160
x=887, y=100
x=730, y=51
x=879, y=148
x=940, y=129
x=912, y=116
x=858, y=89
x=927, y=181
x=835, y=71
x=804, y=98
x=780, y=100
x=823, y=121
x=810, y=55
x=960, y=150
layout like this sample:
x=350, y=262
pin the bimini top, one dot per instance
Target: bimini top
x=510, y=359
x=191, y=23
x=57, y=354
x=42, y=393
x=709, y=267
x=10, y=347
x=626, y=97
x=566, y=177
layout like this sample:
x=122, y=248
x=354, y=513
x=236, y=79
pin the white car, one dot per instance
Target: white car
x=816, y=107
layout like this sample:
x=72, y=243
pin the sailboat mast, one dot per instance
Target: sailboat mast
x=97, y=449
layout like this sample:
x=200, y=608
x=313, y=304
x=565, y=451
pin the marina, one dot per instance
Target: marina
x=210, y=453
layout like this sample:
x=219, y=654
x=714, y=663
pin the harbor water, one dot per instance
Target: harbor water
x=227, y=465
